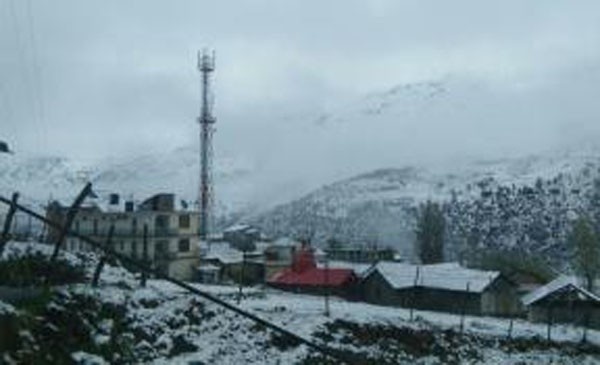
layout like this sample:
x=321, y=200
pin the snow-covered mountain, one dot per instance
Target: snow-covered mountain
x=40, y=178
x=526, y=203
x=421, y=125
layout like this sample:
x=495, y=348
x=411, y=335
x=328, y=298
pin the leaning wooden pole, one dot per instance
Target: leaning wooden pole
x=322, y=348
x=144, y=255
x=64, y=230
x=8, y=222
x=103, y=258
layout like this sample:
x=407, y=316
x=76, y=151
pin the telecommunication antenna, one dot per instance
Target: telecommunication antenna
x=206, y=65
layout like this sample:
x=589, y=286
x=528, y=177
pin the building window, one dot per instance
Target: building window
x=134, y=226
x=77, y=226
x=134, y=249
x=122, y=246
x=161, y=247
x=184, y=245
x=162, y=222
x=95, y=226
x=184, y=221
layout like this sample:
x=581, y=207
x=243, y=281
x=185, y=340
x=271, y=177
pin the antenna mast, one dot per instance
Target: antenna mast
x=206, y=65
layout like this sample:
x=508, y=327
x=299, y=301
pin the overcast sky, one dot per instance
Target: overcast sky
x=87, y=79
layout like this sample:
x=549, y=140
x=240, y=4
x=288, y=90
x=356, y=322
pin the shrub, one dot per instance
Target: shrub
x=35, y=269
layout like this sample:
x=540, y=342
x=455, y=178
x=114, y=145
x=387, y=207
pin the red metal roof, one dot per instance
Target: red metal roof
x=313, y=277
x=304, y=272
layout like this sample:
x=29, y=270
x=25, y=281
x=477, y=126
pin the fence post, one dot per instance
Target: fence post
x=103, y=258
x=242, y=274
x=463, y=310
x=510, y=328
x=586, y=322
x=414, y=294
x=144, y=254
x=326, y=286
x=69, y=220
x=334, y=353
x=549, y=331
x=8, y=222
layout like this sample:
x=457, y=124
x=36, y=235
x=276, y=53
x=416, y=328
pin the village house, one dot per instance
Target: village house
x=279, y=255
x=172, y=234
x=242, y=236
x=563, y=300
x=445, y=287
x=304, y=276
x=223, y=263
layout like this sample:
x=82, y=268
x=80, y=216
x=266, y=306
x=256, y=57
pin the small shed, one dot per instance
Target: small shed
x=279, y=255
x=234, y=265
x=563, y=300
x=446, y=287
x=242, y=236
x=209, y=274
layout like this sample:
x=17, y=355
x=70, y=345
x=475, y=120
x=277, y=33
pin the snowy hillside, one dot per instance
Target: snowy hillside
x=379, y=207
x=403, y=145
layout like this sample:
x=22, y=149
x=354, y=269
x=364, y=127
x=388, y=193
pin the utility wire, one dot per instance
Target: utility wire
x=36, y=71
x=324, y=349
x=24, y=69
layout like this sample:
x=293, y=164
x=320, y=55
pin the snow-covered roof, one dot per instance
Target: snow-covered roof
x=359, y=269
x=261, y=246
x=286, y=241
x=560, y=283
x=208, y=267
x=226, y=253
x=237, y=228
x=223, y=252
x=449, y=276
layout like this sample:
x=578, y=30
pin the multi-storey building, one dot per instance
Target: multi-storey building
x=172, y=240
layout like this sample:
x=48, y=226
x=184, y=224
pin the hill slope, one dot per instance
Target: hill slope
x=525, y=203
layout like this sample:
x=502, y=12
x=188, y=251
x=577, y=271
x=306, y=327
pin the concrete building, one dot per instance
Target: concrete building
x=446, y=287
x=172, y=234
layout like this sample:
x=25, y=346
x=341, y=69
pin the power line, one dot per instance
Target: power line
x=24, y=70
x=142, y=266
x=37, y=75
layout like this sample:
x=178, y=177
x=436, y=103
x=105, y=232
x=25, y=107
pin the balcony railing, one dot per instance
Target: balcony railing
x=128, y=233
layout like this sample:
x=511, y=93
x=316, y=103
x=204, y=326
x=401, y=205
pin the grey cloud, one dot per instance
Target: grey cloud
x=119, y=77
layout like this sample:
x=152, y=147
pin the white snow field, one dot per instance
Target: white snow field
x=164, y=324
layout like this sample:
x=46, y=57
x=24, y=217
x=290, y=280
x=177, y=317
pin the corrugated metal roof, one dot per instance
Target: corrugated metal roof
x=563, y=282
x=359, y=269
x=449, y=276
x=313, y=277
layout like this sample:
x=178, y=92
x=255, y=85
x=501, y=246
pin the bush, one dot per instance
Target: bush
x=35, y=269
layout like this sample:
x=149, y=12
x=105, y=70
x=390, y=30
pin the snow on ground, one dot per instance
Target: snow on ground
x=167, y=325
x=304, y=314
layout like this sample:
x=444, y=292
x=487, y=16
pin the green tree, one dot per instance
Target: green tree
x=586, y=251
x=431, y=225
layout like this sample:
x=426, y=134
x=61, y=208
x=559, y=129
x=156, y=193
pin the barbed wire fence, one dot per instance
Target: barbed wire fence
x=106, y=251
